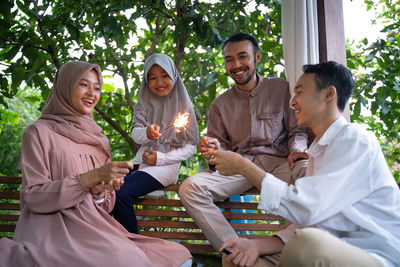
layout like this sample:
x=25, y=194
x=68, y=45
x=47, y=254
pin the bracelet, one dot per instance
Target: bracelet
x=99, y=195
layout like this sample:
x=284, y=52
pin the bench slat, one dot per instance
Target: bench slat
x=228, y=215
x=9, y=195
x=9, y=217
x=192, y=225
x=7, y=227
x=177, y=203
x=189, y=235
x=9, y=206
x=10, y=180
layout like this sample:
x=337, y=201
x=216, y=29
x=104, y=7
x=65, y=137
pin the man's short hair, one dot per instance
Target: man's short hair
x=242, y=37
x=335, y=74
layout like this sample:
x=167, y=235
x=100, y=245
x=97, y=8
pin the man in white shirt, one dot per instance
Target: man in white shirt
x=347, y=207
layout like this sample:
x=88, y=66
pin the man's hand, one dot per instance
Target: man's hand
x=208, y=143
x=152, y=132
x=244, y=251
x=150, y=157
x=226, y=162
x=295, y=155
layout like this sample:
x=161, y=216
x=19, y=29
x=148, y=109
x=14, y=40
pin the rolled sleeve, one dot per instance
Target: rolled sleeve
x=272, y=190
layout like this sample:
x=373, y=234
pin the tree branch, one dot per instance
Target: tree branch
x=157, y=33
x=122, y=73
x=115, y=125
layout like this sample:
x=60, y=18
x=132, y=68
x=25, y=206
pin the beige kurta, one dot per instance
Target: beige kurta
x=61, y=224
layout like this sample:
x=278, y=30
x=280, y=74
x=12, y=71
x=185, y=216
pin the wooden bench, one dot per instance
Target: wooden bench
x=162, y=217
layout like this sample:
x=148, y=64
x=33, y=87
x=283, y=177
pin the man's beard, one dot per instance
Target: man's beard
x=246, y=80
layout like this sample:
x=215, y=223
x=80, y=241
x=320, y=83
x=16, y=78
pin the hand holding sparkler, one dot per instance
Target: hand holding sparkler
x=152, y=131
x=208, y=144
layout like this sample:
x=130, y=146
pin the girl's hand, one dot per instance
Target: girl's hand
x=152, y=132
x=150, y=157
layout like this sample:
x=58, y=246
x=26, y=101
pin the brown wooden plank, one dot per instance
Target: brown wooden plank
x=199, y=248
x=257, y=227
x=252, y=216
x=174, y=235
x=172, y=187
x=7, y=227
x=162, y=213
x=175, y=188
x=158, y=202
x=177, y=203
x=228, y=215
x=9, y=217
x=9, y=195
x=192, y=225
x=10, y=180
x=9, y=206
x=167, y=224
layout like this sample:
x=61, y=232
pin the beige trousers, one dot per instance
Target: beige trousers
x=314, y=247
x=198, y=193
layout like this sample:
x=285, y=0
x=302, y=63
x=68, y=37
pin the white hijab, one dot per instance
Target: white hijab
x=153, y=109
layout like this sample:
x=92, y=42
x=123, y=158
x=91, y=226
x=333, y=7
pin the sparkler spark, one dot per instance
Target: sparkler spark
x=181, y=121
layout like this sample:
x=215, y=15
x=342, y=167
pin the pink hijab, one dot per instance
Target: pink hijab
x=59, y=115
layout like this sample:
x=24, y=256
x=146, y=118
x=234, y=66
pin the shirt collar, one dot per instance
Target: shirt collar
x=253, y=92
x=332, y=131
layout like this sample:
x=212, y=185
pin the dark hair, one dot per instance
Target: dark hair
x=332, y=73
x=242, y=37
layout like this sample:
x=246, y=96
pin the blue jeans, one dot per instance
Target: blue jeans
x=136, y=184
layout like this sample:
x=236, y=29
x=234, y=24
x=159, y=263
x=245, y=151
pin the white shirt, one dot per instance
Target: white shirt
x=167, y=166
x=348, y=191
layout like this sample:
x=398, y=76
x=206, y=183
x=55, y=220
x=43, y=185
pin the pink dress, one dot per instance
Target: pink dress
x=60, y=222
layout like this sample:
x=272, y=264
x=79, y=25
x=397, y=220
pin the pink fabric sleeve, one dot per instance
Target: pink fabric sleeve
x=109, y=201
x=41, y=192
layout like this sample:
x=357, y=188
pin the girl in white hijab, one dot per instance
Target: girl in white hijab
x=161, y=99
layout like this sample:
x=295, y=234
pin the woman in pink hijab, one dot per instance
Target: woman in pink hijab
x=68, y=188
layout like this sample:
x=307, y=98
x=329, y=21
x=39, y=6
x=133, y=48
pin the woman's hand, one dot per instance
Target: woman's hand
x=150, y=157
x=152, y=131
x=107, y=174
x=110, y=186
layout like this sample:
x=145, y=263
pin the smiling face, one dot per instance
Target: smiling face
x=159, y=81
x=240, y=63
x=308, y=102
x=86, y=93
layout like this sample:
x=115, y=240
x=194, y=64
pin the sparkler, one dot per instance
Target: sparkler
x=181, y=121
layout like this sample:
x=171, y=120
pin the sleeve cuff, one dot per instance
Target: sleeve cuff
x=287, y=233
x=139, y=135
x=272, y=190
x=161, y=158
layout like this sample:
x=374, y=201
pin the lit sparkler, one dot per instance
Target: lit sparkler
x=181, y=121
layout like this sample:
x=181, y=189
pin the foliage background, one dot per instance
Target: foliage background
x=36, y=37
